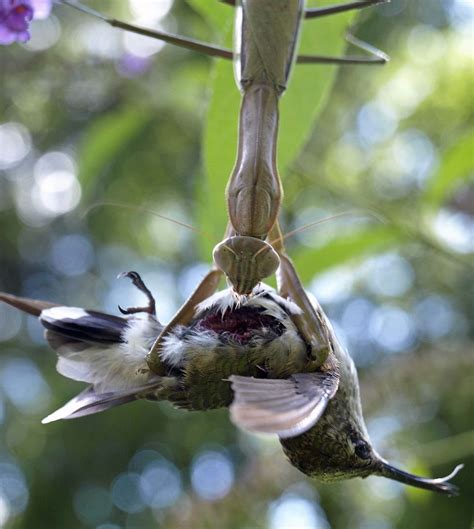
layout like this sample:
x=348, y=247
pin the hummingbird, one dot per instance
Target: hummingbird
x=241, y=352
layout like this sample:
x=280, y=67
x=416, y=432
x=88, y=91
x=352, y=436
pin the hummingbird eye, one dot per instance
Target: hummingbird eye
x=362, y=449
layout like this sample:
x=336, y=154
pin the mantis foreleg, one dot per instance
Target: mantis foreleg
x=309, y=323
x=206, y=288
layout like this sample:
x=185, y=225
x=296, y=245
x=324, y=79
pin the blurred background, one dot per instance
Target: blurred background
x=90, y=115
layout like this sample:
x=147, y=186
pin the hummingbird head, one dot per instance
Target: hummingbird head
x=347, y=453
x=365, y=461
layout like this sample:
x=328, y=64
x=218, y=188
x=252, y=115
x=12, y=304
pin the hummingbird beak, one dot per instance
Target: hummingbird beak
x=437, y=485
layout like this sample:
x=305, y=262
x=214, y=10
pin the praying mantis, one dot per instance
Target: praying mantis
x=266, y=36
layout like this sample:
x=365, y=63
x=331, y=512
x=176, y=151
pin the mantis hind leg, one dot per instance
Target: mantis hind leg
x=317, y=12
x=375, y=56
x=170, y=38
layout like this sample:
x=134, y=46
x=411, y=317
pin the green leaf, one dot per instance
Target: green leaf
x=220, y=133
x=310, y=85
x=310, y=262
x=307, y=92
x=217, y=14
x=104, y=141
x=457, y=164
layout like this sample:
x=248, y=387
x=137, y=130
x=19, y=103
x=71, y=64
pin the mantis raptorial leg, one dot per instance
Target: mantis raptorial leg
x=206, y=288
x=309, y=323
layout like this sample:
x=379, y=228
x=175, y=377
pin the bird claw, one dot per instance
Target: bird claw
x=138, y=282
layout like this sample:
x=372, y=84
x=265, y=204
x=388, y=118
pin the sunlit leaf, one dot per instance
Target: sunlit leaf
x=457, y=164
x=218, y=14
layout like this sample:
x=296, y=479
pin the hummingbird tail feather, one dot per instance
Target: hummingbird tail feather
x=89, y=402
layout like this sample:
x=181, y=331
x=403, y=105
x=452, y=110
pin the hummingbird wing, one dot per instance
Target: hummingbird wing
x=78, y=325
x=286, y=407
x=105, y=350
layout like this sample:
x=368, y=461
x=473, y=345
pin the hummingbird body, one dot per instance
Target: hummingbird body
x=243, y=352
x=251, y=336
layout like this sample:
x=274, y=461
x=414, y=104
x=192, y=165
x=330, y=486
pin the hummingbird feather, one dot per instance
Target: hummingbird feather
x=89, y=402
x=286, y=407
x=105, y=350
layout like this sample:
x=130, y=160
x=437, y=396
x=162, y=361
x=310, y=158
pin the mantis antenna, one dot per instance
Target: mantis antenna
x=151, y=212
x=326, y=219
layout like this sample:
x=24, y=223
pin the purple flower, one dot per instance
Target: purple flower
x=16, y=15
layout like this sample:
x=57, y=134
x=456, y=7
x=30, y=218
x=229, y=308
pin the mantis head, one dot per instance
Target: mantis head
x=245, y=261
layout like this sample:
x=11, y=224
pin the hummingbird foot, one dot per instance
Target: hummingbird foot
x=138, y=282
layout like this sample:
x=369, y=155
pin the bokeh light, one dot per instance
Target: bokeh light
x=160, y=484
x=293, y=512
x=44, y=33
x=392, y=328
x=152, y=11
x=455, y=230
x=13, y=489
x=10, y=322
x=24, y=385
x=389, y=275
x=376, y=123
x=212, y=475
x=92, y=504
x=15, y=142
x=435, y=316
x=125, y=492
x=72, y=255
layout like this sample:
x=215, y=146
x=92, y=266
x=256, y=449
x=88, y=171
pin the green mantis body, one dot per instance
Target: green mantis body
x=266, y=36
x=265, y=54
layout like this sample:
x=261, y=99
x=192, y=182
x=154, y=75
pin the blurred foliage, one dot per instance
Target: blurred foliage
x=89, y=115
